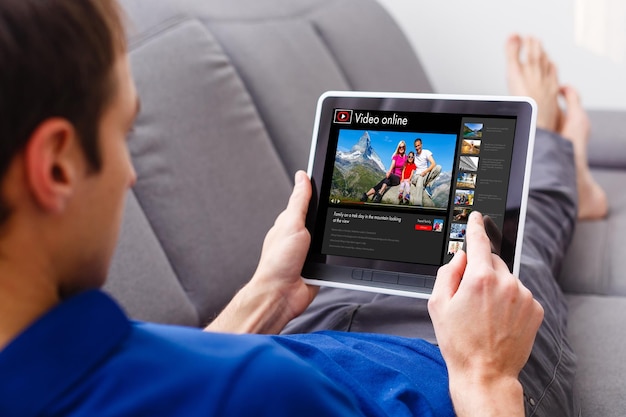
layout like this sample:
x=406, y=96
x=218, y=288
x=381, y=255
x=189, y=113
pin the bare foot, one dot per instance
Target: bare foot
x=592, y=201
x=531, y=73
x=534, y=75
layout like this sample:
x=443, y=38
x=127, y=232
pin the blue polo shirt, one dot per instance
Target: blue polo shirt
x=85, y=358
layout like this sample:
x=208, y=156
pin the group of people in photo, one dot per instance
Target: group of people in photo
x=415, y=168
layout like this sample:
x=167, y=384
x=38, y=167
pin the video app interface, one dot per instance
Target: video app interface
x=403, y=184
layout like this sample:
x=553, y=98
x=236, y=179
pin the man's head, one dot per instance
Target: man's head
x=56, y=60
x=418, y=145
x=66, y=105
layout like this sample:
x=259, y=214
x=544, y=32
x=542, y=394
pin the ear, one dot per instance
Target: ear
x=52, y=163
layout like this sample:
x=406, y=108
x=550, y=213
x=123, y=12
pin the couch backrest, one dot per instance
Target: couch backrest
x=228, y=91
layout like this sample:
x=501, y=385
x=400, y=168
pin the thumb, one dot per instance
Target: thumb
x=449, y=276
x=300, y=196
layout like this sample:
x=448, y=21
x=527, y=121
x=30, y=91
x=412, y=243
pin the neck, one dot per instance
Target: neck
x=26, y=294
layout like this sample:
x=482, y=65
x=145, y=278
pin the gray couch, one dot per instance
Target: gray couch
x=228, y=91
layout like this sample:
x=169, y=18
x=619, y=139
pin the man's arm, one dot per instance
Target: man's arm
x=485, y=321
x=276, y=293
x=432, y=165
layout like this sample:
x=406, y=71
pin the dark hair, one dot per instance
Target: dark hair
x=56, y=60
x=417, y=140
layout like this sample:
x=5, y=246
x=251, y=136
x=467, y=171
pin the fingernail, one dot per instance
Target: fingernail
x=299, y=177
x=476, y=213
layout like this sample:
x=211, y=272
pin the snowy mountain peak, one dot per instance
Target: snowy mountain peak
x=364, y=145
x=362, y=151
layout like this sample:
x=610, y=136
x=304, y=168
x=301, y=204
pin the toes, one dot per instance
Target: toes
x=531, y=52
x=576, y=124
x=514, y=67
x=513, y=46
x=572, y=98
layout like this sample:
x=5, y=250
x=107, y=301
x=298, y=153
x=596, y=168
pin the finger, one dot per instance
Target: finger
x=300, y=196
x=449, y=276
x=477, y=242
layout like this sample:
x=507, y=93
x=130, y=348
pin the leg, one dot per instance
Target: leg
x=374, y=191
x=418, y=195
x=406, y=188
x=402, y=190
x=392, y=181
x=560, y=182
x=536, y=77
x=432, y=175
x=549, y=374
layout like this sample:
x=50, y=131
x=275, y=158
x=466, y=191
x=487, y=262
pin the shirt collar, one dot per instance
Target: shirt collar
x=58, y=350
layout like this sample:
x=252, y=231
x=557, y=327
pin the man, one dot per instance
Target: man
x=427, y=170
x=67, y=349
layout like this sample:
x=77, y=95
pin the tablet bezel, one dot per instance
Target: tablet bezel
x=319, y=268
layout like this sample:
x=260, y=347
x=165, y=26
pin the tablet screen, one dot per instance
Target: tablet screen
x=397, y=177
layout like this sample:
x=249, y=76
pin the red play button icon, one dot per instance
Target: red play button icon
x=343, y=116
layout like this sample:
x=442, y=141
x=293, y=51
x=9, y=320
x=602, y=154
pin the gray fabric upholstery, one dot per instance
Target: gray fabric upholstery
x=593, y=264
x=597, y=333
x=228, y=91
x=608, y=143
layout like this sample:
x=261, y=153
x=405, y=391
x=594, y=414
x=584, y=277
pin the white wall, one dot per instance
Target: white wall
x=461, y=42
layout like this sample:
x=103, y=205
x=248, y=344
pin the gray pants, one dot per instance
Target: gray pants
x=421, y=183
x=548, y=377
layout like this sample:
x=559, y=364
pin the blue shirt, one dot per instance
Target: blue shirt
x=86, y=358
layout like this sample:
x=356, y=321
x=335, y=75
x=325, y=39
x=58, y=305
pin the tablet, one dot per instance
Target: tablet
x=395, y=177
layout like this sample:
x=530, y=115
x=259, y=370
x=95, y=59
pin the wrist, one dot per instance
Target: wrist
x=487, y=396
x=256, y=308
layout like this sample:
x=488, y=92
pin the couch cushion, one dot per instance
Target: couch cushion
x=594, y=262
x=141, y=276
x=209, y=180
x=228, y=94
x=597, y=333
x=607, y=146
x=288, y=62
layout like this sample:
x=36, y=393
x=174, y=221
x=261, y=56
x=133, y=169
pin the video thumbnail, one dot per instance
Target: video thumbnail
x=468, y=163
x=466, y=180
x=457, y=230
x=473, y=130
x=470, y=147
x=454, y=246
x=464, y=198
x=384, y=167
x=461, y=214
